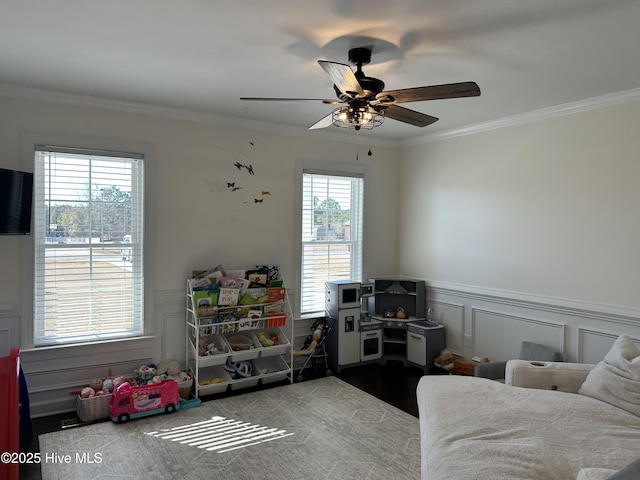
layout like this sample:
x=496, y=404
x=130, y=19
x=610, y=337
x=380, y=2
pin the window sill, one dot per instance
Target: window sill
x=94, y=348
x=311, y=316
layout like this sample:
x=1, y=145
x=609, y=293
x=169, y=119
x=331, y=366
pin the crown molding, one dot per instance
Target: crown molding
x=608, y=100
x=50, y=96
x=29, y=93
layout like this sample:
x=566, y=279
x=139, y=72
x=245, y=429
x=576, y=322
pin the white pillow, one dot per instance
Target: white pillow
x=616, y=379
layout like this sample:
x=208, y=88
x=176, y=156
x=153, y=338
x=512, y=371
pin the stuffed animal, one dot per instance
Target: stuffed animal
x=87, y=392
x=107, y=384
x=146, y=372
x=202, y=346
x=157, y=379
x=264, y=341
x=212, y=349
x=96, y=384
x=122, y=379
x=171, y=369
x=444, y=360
x=169, y=366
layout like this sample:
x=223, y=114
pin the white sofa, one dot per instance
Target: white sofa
x=534, y=426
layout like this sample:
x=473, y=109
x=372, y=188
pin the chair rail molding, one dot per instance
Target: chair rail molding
x=451, y=315
x=595, y=311
x=497, y=321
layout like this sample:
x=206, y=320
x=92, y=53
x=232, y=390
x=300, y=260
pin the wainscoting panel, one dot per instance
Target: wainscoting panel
x=49, y=389
x=52, y=372
x=496, y=322
x=487, y=344
x=301, y=330
x=451, y=315
x=173, y=339
x=9, y=331
x=5, y=342
x=593, y=345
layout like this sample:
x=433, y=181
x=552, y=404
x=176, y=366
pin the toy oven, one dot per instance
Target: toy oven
x=342, y=294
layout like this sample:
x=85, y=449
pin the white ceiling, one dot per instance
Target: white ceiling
x=202, y=55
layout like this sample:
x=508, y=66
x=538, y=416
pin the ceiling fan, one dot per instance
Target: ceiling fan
x=366, y=104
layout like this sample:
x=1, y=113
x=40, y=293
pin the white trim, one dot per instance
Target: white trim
x=608, y=100
x=455, y=348
x=328, y=168
x=609, y=313
x=41, y=95
x=28, y=93
x=28, y=142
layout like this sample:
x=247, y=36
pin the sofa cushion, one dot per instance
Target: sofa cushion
x=616, y=379
x=472, y=428
x=561, y=376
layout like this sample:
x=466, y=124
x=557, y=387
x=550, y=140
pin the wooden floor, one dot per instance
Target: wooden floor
x=393, y=383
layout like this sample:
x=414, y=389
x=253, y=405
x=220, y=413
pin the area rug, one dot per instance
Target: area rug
x=321, y=429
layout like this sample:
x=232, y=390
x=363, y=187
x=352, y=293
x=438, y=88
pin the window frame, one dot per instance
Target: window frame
x=335, y=169
x=29, y=142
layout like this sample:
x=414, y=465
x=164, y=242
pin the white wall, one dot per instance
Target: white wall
x=198, y=221
x=544, y=213
x=527, y=231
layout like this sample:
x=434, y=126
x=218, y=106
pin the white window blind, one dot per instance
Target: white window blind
x=89, y=283
x=332, y=214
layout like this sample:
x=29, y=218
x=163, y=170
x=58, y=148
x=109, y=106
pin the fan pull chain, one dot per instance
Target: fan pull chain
x=357, y=143
x=369, y=152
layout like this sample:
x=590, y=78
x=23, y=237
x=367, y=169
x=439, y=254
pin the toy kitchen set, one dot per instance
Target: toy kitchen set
x=379, y=321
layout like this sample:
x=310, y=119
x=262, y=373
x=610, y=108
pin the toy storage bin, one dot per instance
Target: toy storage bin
x=93, y=408
x=280, y=348
x=210, y=373
x=218, y=359
x=253, y=346
x=271, y=369
x=247, y=382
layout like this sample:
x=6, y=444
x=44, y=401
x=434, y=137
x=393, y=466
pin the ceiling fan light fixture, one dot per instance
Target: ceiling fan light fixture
x=357, y=118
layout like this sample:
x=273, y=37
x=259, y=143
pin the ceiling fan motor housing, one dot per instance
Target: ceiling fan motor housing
x=360, y=56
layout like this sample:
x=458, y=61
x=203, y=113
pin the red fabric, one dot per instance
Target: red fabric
x=9, y=430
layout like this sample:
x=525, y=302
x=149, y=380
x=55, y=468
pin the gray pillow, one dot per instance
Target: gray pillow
x=616, y=379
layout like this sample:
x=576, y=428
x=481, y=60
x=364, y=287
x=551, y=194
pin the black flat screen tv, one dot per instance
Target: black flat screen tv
x=16, y=199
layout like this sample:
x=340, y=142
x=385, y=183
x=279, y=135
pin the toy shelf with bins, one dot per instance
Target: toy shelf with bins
x=213, y=341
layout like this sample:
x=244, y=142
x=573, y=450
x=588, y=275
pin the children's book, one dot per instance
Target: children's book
x=228, y=296
x=228, y=315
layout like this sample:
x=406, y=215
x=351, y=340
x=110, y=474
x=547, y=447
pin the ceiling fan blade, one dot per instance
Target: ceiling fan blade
x=323, y=100
x=411, y=117
x=342, y=77
x=324, y=122
x=433, y=92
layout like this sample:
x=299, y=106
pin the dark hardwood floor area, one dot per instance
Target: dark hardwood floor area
x=392, y=383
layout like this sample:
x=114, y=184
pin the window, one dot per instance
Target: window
x=332, y=218
x=88, y=240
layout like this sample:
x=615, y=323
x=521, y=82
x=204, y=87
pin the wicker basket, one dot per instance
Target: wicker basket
x=93, y=408
x=184, y=388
